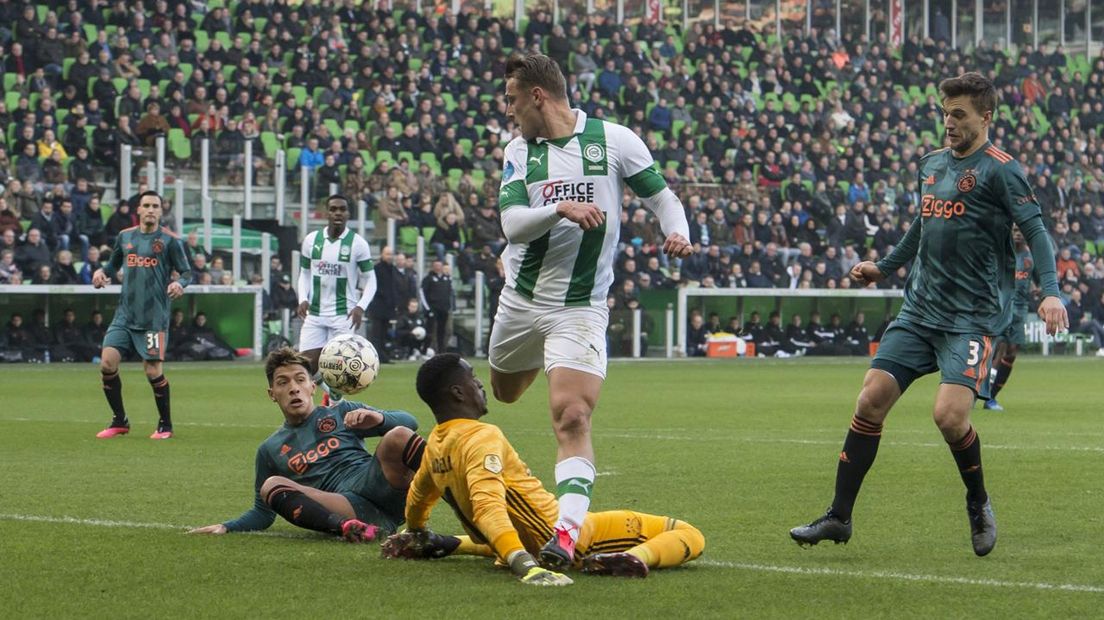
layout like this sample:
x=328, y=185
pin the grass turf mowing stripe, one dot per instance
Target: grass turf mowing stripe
x=764, y=568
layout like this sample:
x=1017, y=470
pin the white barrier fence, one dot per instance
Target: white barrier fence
x=114, y=290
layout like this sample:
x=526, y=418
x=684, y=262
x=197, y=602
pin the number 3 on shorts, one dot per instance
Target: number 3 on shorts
x=975, y=353
x=153, y=341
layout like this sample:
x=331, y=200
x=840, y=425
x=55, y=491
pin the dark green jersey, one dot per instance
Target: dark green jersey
x=963, y=276
x=1024, y=268
x=147, y=261
x=320, y=453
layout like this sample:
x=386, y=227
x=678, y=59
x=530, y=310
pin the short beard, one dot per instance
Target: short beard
x=967, y=142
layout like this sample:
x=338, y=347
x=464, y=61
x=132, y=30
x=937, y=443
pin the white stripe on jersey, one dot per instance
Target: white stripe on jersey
x=337, y=260
x=625, y=155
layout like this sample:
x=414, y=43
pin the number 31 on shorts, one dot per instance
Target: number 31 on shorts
x=153, y=341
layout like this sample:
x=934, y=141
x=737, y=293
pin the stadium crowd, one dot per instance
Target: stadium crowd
x=795, y=159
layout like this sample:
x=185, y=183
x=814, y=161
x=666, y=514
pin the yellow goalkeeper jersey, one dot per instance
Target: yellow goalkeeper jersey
x=474, y=468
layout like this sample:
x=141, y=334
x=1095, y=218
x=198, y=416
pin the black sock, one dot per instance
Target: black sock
x=412, y=452
x=113, y=390
x=299, y=509
x=160, y=387
x=967, y=455
x=1004, y=369
x=859, y=449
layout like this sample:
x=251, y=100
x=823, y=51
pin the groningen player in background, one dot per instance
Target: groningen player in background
x=560, y=199
x=1014, y=337
x=333, y=263
x=147, y=255
x=504, y=509
x=314, y=470
x=958, y=302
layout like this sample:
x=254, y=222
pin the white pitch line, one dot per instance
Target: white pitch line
x=810, y=442
x=130, y=524
x=763, y=568
x=705, y=436
x=898, y=576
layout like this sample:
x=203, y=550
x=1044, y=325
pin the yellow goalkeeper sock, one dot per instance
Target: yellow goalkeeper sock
x=676, y=546
x=470, y=547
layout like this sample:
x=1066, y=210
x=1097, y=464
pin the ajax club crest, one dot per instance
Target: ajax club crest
x=967, y=182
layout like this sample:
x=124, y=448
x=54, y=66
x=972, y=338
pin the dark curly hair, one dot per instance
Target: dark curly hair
x=284, y=356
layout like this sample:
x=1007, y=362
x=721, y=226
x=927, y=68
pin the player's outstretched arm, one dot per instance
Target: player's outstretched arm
x=902, y=253
x=304, y=283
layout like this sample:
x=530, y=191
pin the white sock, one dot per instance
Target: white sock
x=574, y=481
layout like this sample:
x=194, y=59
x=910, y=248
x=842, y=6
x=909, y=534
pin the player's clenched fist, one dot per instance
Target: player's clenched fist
x=363, y=419
x=677, y=246
x=866, y=272
x=586, y=214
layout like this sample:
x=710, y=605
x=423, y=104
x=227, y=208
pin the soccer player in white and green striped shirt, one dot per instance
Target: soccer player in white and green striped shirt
x=560, y=203
x=333, y=264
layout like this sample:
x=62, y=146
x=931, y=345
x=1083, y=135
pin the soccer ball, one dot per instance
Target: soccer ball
x=349, y=363
x=418, y=332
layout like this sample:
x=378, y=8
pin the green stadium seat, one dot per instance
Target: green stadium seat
x=408, y=239
x=270, y=143
x=179, y=145
x=300, y=93
x=293, y=158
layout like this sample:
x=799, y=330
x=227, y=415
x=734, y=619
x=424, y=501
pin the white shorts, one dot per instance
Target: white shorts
x=526, y=336
x=318, y=330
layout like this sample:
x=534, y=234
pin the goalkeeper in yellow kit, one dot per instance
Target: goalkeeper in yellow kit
x=506, y=512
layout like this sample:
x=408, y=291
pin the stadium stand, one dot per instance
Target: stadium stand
x=795, y=158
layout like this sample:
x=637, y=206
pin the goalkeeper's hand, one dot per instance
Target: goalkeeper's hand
x=525, y=567
x=418, y=545
x=538, y=576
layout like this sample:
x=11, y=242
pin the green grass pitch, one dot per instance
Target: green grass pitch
x=743, y=450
